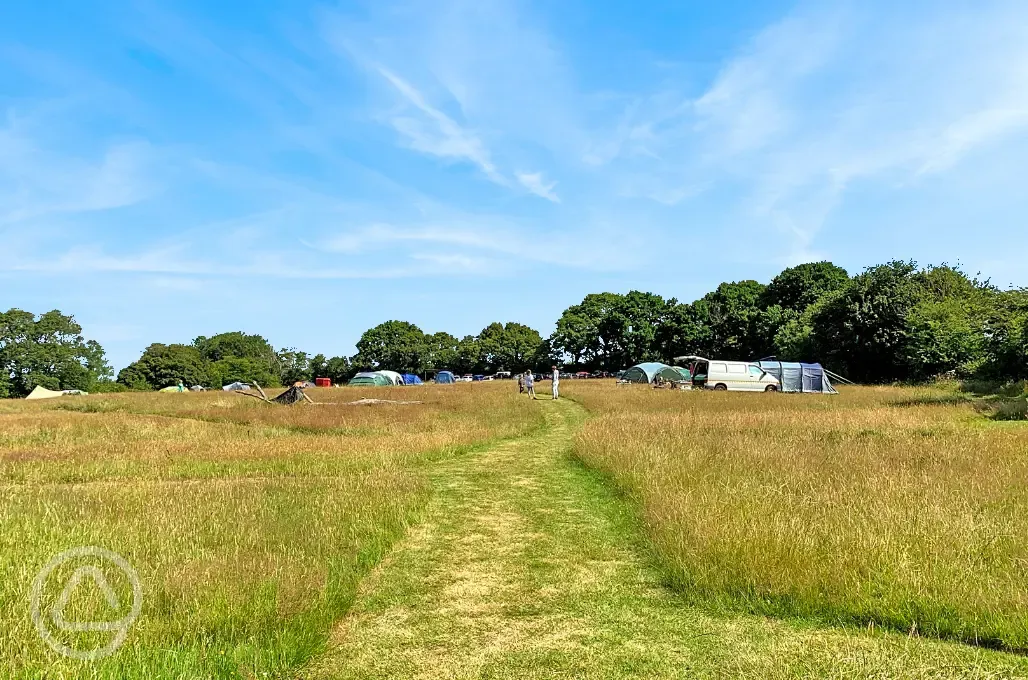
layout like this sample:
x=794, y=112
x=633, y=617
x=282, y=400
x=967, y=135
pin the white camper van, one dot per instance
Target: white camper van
x=729, y=375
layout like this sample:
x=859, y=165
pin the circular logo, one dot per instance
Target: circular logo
x=98, y=565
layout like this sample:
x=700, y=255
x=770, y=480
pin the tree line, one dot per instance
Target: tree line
x=891, y=322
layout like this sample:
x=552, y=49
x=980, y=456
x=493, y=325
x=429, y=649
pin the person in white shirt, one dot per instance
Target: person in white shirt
x=556, y=382
x=530, y=384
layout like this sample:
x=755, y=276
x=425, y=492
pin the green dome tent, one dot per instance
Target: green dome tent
x=370, y=380
x=650, y=371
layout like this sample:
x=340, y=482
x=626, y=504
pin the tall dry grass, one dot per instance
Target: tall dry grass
x=890, y=506
x=249, y=524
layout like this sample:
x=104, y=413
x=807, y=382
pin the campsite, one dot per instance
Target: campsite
x=513, y=340
x=506, y=533
x=707, y=497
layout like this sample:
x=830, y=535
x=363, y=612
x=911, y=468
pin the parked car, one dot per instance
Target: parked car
x=466, y=378
x=503, y=375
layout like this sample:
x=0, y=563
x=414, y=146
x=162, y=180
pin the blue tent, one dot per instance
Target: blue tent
x=445, y=378
x=795, y=377
x=411, y=379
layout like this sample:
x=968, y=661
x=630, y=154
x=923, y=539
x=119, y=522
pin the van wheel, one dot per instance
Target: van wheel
x=771, y=388
x=721, y=387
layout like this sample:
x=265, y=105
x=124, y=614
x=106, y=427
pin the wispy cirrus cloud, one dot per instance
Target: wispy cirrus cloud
x=533, y=181
x=435, y=133
x=36, y=180
x=825, y=98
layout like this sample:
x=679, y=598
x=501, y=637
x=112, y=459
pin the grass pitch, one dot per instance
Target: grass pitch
x=629, y=533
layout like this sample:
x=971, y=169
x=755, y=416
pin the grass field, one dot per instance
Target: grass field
x=880, y=506
x=250, y=525
x=464, y=537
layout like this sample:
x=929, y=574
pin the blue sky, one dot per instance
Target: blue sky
x=306, y=171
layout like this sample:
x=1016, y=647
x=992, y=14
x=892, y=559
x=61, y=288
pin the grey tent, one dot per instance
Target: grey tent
x=797, y=377
x=650, y=371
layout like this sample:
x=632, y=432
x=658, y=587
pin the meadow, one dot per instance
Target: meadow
x=250, y=525
x=623, y=532
x=882, y=506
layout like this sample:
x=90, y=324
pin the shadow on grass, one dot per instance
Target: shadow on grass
x=996, y=401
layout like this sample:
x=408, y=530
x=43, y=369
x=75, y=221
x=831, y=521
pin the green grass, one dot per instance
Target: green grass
x=530, y=565
x=885, y=507
x=249, y=525
x=467, y=539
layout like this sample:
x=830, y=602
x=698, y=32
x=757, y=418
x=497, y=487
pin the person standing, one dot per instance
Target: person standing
x=530, y=384
x=556, y=383
x=521, y=383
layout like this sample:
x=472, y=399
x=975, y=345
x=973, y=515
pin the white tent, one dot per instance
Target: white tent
x=393, y=376
x=40, y=392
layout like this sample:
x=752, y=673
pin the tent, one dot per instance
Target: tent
x=291, y=396
x=235, y=387
x=411, y=379
x=445, y=378
x=393, y=376
x=370, y=380
x=40, y=392
x=173, y=388
x=796, y=377
x=650, y=371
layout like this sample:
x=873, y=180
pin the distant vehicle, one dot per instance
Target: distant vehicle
x=503, y=375
x=478, y=378
x=582, y=374
x=719, y=375
x=467, y=378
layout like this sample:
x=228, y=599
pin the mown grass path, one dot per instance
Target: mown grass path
x=526, y=566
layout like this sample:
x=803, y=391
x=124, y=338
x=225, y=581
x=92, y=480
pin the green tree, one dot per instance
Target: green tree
x=164, y=365
x=610, y=331
x=1006, y=337
x=796, y=288
x=469, y=355
x=732, y=312
x=393, y=345
x=242, y=369
x=48, y=350
x=238, y=353
x=440, y=351
x=339, y=370
x=947, y=328
x=863, y=332
x=684, y=330
x=295, y=365
x=579, y=334
x=512, y=346
x=319, y=366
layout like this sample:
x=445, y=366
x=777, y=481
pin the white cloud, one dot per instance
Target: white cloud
x=37, y=180
x=533, y=181
x=826, y=98
x=435, y=133
x=453, y=234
